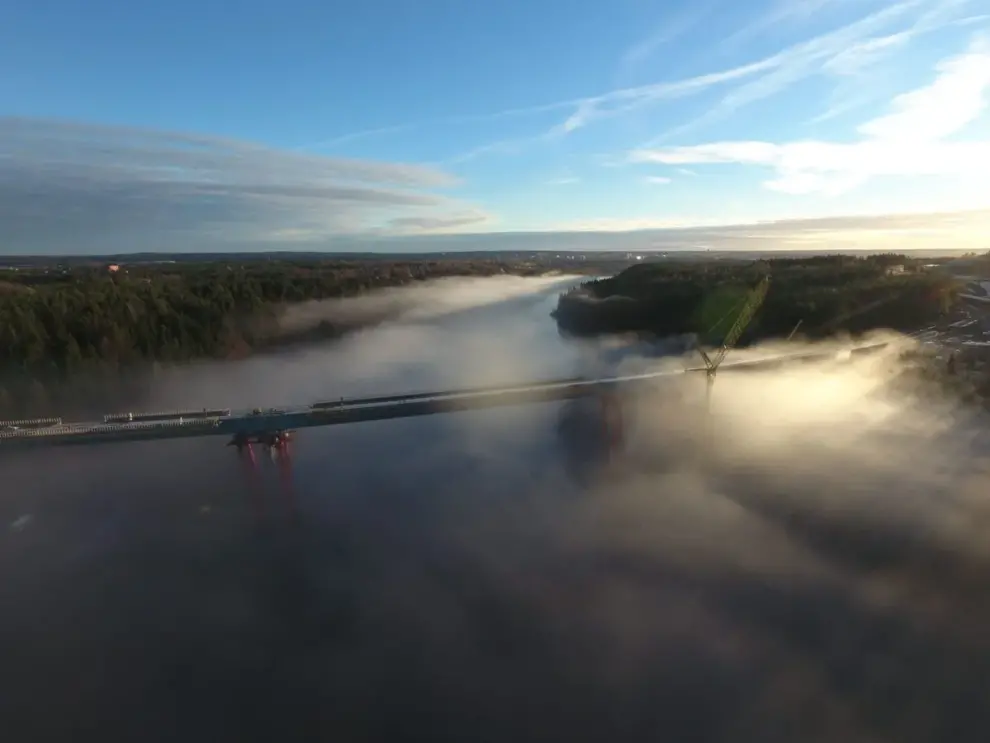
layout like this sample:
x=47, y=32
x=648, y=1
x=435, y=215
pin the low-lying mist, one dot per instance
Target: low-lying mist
x=805, y=562
x=421, y=301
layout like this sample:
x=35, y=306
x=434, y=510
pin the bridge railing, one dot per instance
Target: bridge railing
x=164, y=416
x=412, y=396
x=31, y=423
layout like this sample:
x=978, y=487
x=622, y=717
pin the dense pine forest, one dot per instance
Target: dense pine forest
x=67, y=319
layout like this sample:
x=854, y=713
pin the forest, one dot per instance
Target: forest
x=66, y=319
x=819, y=295
x=97, y=321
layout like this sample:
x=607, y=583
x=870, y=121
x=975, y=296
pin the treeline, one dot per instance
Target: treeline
x=61, y=322
x=825, y=294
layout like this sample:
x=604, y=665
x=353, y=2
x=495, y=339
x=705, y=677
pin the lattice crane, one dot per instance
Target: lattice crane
x=749, y=308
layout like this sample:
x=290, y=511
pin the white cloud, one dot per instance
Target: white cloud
x=954, y=99
x=844, y=51
x=841, y=51
x=567, y=180
x=657, y=180
x=909, y=141
x=860, y=71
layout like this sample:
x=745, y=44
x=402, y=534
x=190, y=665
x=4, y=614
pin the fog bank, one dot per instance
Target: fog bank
x=807, y=562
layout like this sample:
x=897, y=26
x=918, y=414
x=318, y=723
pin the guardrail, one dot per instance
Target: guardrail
x=31, y=423
x=83, y=429
x=173, y=415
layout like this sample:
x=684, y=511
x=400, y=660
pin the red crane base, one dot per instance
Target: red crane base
x=278, y=444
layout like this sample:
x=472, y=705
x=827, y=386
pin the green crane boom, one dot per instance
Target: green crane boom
x=745, y=317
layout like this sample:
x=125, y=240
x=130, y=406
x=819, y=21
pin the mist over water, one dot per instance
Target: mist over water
x=811, y=564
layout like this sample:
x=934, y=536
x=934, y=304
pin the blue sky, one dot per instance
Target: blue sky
x=324, y=125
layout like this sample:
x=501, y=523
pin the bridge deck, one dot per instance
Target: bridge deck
x=387, y=407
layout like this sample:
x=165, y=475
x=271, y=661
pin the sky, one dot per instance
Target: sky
x=475, y=124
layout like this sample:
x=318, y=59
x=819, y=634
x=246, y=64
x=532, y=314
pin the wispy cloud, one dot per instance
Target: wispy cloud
x=437, y=225
x=67, y=186
x=333, y=142
x=657, y=180
x=859, y=56
x=452, y=120
x=788, y=12
x=860, y=69
x=671, y=29
x=624, y=100
x=584, y=110
x=800, y=61
x=849, y=47
x=566, y=180
x=911, y=140
x=843, y=52
x=498, y=147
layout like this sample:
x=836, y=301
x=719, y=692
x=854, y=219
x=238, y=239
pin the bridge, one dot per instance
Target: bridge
x=274, y=427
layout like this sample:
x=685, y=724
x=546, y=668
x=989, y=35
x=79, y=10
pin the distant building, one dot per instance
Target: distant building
x=895, y=270
x=113, y=268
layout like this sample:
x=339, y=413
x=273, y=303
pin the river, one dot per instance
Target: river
x=475, y=577
x=146, y=600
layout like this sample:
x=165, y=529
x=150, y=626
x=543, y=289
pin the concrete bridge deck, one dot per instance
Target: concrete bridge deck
x=117, y=428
